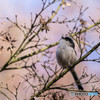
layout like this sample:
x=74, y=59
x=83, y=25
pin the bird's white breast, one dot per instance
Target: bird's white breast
x=65, y=54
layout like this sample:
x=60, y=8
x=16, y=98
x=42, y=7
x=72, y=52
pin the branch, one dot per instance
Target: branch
x=65, y=71
x=33, y=53
x=5, y=95
x=21, y=47
x=86, y=29
x=52, y=45
x=66, y=89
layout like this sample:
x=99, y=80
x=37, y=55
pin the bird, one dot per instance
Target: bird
x=66, y=56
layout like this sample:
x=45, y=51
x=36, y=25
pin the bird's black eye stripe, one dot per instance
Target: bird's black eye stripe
x=70, y=40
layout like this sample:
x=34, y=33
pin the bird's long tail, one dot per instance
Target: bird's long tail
x=79, y=84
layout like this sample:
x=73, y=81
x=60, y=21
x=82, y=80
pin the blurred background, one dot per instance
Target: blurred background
x=23, y=9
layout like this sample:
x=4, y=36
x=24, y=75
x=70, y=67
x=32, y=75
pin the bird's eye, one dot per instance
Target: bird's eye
x=62, y=37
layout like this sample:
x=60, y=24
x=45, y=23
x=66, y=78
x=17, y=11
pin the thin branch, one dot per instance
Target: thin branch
x=5, y=95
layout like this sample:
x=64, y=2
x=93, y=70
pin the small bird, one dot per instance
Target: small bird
x=66, y=56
